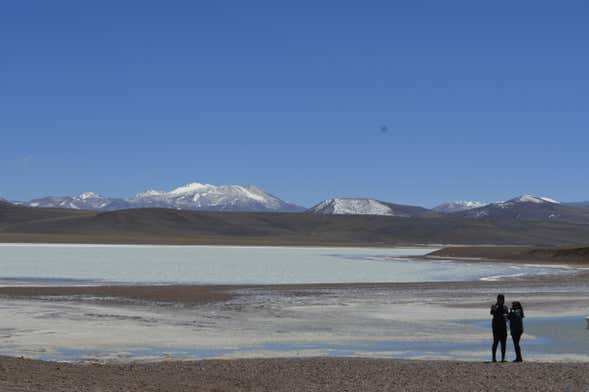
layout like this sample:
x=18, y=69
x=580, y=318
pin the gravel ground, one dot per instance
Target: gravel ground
x=320, y=374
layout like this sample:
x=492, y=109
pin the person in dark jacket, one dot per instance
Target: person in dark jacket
x=500, y=313
x=516, y=326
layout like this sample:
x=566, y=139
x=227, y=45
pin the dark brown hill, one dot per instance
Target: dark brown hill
x=167, y=226
x=12, y=213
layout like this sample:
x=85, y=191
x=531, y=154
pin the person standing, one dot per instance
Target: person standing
x=516, y=326
x=500, y=313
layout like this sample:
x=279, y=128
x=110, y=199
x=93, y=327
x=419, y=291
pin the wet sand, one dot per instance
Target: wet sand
x=319, y=374
x=203, y=294
x=195, y=295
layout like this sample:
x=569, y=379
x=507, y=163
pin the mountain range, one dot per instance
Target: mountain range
x=528, y=207
x=238, y=198
x=524, y=220
x=523, y=208
x=193, y=196
x=20, y=224
x=84, y=201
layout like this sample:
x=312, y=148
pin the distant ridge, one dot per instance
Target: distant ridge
x=84, y=201
x=580, y=204
x=173, y=226
x=528, y=207
x=457, y=206
x=239, y=198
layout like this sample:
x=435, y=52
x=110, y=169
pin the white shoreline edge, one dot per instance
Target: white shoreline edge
x=74, y=245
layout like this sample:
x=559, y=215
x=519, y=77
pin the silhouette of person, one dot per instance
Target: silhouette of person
x=500, y=312
x=516, y=326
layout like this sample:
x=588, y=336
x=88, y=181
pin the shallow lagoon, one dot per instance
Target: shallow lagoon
x=559, y=339
x=235, y=265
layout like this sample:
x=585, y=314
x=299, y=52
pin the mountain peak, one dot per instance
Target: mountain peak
x=199, y=196
x=365, y=206
x=352, y=206
x=532, y=199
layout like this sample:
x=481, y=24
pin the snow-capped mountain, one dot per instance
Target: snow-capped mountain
x=357, y=206
x=197, y=196
x=84, y=201
x=352, y=207
x=456, y=206
x=194, y=196
x=530, y=199
x=528, y=207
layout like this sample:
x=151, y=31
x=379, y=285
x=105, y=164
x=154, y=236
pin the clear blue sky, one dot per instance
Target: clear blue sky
x=479, y=100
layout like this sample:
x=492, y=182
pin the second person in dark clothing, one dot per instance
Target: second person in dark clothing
x=500, y=313
x=516, y=326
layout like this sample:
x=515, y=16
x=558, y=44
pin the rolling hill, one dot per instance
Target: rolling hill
x=170, y=226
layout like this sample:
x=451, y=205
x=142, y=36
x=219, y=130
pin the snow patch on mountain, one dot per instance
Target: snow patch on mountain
x=456, y=206
x=89, y=195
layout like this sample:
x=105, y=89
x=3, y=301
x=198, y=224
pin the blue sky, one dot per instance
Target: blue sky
x=478, y=100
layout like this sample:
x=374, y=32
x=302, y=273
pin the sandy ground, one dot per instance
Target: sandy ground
x=276, y=375
x=522, y=254
x=159, y=294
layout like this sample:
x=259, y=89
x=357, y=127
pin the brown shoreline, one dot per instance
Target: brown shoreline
x=282, y=374
x=72, y=239
x=515, y=254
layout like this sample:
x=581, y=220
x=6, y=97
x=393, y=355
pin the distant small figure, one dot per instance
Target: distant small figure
x=384, y=129
x=516, y=326
x=500, y=313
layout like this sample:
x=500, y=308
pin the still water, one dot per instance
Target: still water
x=236, y=265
